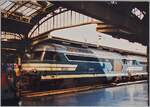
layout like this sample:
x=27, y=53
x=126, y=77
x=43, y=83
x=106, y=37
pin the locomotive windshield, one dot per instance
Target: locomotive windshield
x=33, y=57
x=40, y=56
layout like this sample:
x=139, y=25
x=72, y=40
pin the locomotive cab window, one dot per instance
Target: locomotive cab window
x=31, y=57
x=51, y=56
x=37, y=55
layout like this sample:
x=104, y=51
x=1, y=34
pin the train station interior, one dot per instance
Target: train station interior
x=114, y=26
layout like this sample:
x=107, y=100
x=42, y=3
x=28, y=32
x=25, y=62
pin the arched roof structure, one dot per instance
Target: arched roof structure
x=20, y=16
x=131, y=16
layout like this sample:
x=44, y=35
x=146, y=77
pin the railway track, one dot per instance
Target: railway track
x=31, y=94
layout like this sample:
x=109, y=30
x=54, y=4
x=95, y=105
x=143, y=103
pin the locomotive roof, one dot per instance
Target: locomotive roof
x=88, y=45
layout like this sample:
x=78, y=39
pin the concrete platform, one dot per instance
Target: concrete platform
x=122, y=95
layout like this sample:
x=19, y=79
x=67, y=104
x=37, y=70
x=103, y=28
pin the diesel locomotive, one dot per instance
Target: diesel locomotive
x=60, y=63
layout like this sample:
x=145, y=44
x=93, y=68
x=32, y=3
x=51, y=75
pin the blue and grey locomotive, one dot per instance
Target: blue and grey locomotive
x=62, y=64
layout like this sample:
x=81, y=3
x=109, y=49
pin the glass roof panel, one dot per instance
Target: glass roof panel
x=15, y=6
x=26, y=11
x=31, y=6
x=2, y=2
x=37, y=8
x=22, y=9
x=31, y=12
x=8, y=7
x=3, y=6
x=28, y=5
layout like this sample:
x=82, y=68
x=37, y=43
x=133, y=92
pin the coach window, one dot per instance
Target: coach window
x=124, y=61
x=143, y=63
x=134, y=62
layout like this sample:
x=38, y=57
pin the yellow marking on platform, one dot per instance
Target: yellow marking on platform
x=128, y=83
x=62, y=91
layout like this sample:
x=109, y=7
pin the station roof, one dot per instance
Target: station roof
x=131, y=16
x=20, y=16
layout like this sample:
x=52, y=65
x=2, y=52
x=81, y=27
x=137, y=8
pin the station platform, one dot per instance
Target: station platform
x=131, y=94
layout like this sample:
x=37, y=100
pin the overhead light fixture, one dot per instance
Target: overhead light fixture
x=138, y=13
